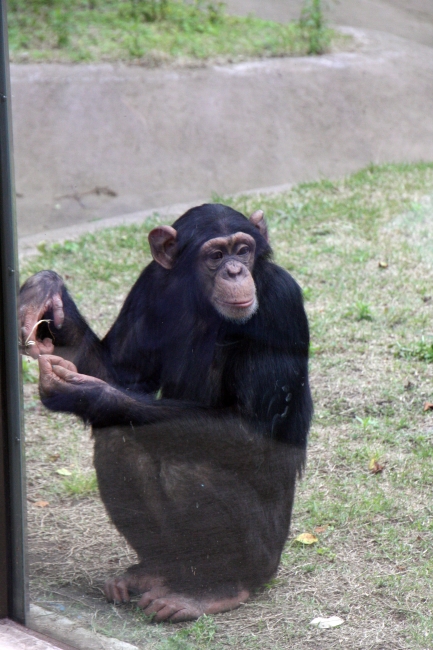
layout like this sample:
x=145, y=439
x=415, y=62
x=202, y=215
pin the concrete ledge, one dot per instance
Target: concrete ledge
x=28, y=245
x=68, y=631
x=17, y=637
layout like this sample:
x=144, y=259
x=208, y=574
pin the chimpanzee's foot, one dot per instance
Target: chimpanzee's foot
x=136, y=581
x=166, y=606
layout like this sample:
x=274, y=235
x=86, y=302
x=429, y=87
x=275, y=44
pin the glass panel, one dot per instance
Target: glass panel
x=198, y=395
x=162, y=462
x=176, y=506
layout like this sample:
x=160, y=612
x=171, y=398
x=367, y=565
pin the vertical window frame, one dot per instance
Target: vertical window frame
x=13, y=592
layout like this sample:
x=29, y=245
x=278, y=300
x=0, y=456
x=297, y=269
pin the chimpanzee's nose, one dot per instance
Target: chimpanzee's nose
x=233, y=269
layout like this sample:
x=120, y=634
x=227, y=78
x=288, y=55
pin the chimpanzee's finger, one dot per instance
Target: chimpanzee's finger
x=45, y=347
x=58, y=313
x=30, y=350
x=29, y=320
x=48, y=361
x=70, y=375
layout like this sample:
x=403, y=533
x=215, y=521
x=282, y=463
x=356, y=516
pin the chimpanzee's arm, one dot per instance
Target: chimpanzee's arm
x=50, y=322
x=97, y=402
x=268, y=376
x=278, y=398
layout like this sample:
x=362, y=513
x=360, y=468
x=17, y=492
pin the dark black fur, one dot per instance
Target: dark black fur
x=201, y=481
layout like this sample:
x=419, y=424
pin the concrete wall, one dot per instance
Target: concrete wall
x=170, y=135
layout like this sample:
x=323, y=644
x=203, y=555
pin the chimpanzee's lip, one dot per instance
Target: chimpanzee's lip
x=242, y=305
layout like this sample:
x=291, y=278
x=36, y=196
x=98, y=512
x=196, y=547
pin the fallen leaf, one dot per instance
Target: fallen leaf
x=41, y=504
x=63, y=472
x=325, y=623
x=306, y=538
x=383, y=265
x=375, y=467
x=401, y=568
x=54, y=457
x=320, y=529
x=428, y=406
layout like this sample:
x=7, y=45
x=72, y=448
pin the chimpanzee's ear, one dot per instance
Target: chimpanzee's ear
x=258, y=220
x=163, y=245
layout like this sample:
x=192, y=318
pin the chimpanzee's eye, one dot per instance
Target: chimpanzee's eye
x=244, y=250
x=216, y=256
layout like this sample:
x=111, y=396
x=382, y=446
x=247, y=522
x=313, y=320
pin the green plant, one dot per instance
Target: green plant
x=307, y=293
x=362, y=311
x=135, y=49
x=62, y=25
x=80, y=483
x=199, y=634
x=192, y=16
x=30, y=373
x=153, y=31
x=150, y=10
x=40, y=15
x=421, y=350
x=366, y=424
x=313, y=25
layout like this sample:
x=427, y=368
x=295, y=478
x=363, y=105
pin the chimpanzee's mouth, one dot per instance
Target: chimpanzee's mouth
x=239, y=311
x=241, y=305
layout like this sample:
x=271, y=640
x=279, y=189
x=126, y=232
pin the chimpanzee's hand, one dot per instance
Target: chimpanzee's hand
x=40, y=298
x=60, y=376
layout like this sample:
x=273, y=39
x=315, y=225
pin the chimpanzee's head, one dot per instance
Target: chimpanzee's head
x=223, y=246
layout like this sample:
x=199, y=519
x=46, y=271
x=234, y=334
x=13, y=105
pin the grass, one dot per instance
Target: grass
x=30, y=373
x=151, y=33
x=80, y=483
x=421, y=350
x=362, y=311
x=362, y=249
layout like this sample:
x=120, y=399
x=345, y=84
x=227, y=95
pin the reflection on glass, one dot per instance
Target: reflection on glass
x=199, y=403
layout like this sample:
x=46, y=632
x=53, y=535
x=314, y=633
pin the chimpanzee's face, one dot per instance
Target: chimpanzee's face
x=224, y=266
x=225, y=270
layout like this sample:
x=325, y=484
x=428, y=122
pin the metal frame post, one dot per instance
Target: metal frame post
x=12, y=513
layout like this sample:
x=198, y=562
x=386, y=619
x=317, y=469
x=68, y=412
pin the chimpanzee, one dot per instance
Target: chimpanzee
x=200, y=406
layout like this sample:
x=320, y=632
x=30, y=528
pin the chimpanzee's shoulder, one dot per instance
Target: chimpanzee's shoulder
x=274, y=282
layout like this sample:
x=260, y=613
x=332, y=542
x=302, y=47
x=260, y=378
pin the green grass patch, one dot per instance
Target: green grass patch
x=200, y=634
x=361, y=248
x=80, y=483
x=362, y=311
x=421, y=350
x=30, y=371
x=155, y=32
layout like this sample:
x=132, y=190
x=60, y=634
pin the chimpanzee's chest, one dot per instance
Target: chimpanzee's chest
x=198, y=373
